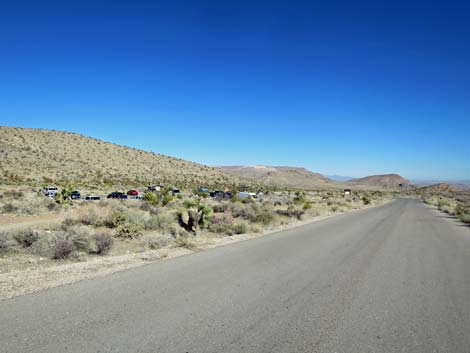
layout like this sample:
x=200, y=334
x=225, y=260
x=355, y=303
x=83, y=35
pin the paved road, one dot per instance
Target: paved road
x=390, y=279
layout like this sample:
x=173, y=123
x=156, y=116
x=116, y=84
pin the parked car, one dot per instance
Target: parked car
x=92, y=198
x=246, y=195
x=75, y=195
x=50, y=191
x=217, y=193
x=117, y=195
x=132, y=193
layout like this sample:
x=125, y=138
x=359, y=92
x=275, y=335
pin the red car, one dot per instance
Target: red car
x=132, y=193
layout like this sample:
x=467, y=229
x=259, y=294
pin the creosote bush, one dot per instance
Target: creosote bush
x=104, y=242
x=26, y=237
x=63, y=249
x=292, y=211
x=186, y=241
x=240, y=227
x=157, y=241
x=117, y=218
x=129, y=230
x=4, y=241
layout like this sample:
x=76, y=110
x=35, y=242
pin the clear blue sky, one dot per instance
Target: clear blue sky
x=351, y=88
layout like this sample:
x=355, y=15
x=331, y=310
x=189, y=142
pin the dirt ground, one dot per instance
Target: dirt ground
x=9, y=222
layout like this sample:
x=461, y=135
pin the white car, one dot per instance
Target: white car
x=50, y=191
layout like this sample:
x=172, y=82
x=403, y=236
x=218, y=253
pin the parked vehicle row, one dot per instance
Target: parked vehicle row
x=51, y=191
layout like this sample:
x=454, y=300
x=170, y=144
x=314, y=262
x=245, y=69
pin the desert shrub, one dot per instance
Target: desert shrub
x=431, y=200
x=176, y=230
x=51, y=205
x=221, y=223
x=151, y=198
x=30, y=203
x=9, y=208
x=365, y=199
x=63, y=249
x=129, y=230
x=26, y=237
x=116, y=219
x=465, y=217
x=188, y=203
x=244, y=211
x=14, y=194
x=4, y=241
x=447, y=209
x=220, y=207
x=90, y=215
x=299, y=197
x=81, y=237
x=137, y=217
x=307, y=205
x=161, y=221
x=157, y=241
x=442, y=203
x=292, y=211
x=186, y=241
x=265, y=217
x=167, y=199
x=68, y=223
x=44, y=246
x=462, y=210
x=104, y=242
x=240, y=227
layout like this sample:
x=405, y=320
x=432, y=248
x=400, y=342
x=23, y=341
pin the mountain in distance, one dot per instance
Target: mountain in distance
x=384, y=181
x=339, y=178
x=456, y=185
x=291, y=177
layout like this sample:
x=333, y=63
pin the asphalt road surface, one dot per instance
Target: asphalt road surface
x=395, y=278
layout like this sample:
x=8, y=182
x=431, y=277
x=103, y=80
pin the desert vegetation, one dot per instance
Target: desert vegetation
x=25, y=201
x=189, y=220
x=455, y=204
x=40, y=157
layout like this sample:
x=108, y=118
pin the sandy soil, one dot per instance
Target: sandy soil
x=8, y=222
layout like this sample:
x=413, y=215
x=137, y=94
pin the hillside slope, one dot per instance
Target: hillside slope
x=385, y=181
x=291, y=177
x=37, y=156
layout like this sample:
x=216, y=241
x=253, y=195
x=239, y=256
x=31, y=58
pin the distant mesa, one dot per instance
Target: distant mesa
x=292, y=177
x=384, y=181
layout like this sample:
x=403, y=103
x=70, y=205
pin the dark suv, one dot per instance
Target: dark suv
x=117, y=195
x=75, y=195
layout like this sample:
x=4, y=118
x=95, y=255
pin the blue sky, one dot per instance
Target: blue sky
x=352, y=88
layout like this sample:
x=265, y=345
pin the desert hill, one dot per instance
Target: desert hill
x=37, y=157
x=384, y=181
x=291, y=177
